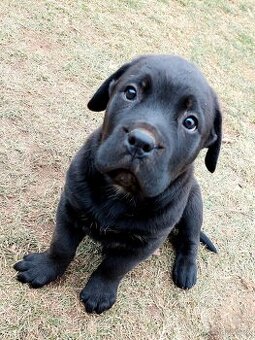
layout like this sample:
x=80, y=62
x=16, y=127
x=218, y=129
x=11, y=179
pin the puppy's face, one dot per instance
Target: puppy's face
x=160, y=113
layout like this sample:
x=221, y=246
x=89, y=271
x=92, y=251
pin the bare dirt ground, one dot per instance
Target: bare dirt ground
x=53, y=56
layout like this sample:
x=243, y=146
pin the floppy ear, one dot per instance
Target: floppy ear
x=100, y=99
x=212, y=154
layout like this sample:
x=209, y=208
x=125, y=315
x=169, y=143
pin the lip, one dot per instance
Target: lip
x=124, y=178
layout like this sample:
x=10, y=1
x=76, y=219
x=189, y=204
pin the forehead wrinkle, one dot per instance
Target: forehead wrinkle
x=137, y=79
x=134, y=75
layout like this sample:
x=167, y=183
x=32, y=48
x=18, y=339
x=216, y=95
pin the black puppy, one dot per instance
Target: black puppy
x=132, y=182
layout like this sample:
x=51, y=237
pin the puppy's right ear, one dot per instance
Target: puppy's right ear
x=100, y=99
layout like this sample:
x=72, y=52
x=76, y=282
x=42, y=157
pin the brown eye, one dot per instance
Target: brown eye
x=190, y=123
x=130, y=92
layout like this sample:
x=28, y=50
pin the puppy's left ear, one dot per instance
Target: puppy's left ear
x=100, y=99
x=214, y=145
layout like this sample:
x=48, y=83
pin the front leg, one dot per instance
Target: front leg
x=185, y=267
x=38, y=269
x=100, y=291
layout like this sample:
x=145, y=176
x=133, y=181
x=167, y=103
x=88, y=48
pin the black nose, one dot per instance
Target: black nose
x=140, y=143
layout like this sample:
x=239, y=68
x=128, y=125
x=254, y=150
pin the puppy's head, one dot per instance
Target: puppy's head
x=160, y=112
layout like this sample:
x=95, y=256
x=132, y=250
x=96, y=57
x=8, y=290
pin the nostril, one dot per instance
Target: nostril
x=131, y=140
x=147, y=147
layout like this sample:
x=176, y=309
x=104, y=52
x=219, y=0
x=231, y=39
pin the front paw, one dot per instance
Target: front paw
x=99, y=294
x=38, y=269
x=185, y=272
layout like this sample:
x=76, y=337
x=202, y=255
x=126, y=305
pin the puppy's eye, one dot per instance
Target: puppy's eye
x=130, y=92
x=190, y=123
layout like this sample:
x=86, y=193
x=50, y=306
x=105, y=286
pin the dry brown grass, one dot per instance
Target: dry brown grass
x=53, y=56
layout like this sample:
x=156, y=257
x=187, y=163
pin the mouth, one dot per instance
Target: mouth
x=124, y=178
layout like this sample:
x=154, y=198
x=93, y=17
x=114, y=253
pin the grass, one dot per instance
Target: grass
x=54, y=54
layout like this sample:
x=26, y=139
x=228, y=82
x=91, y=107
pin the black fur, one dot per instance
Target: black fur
x=132, y=182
